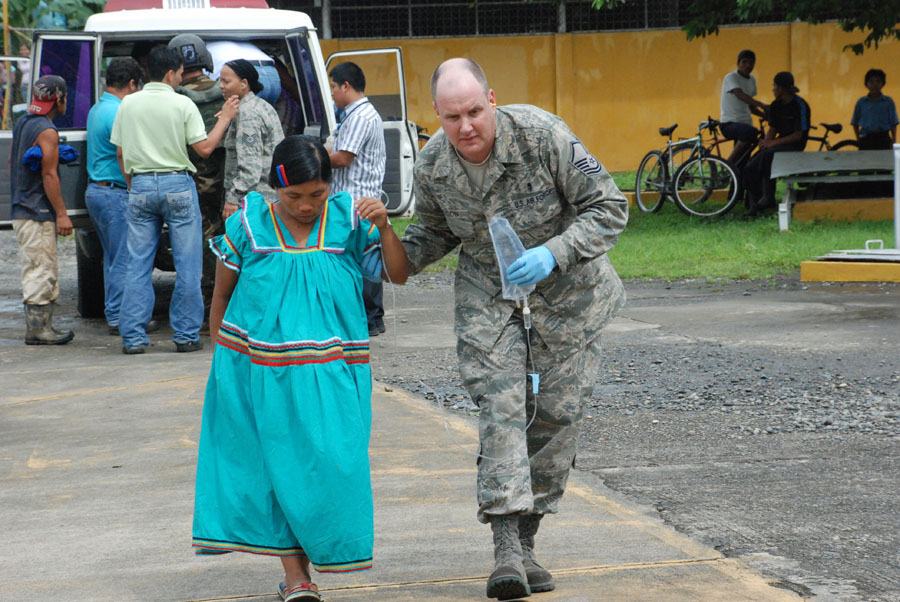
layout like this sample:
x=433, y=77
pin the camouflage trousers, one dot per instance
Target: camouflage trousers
x=523, y=470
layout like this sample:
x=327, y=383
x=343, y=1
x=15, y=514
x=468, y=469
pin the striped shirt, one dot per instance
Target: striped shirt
x=360, y=133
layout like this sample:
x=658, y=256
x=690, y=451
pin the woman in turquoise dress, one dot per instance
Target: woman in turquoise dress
x=283, y=466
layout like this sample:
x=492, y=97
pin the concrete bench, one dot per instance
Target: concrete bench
x=830, y=167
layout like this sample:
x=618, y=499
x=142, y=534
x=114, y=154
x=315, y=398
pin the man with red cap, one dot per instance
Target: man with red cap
x=38, y=212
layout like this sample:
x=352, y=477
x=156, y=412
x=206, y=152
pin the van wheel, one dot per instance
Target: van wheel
x=89, y=255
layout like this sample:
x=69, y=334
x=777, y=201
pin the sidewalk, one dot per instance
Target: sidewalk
x=97, y=454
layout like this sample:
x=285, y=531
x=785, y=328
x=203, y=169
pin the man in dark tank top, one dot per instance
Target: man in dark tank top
x=38, y=212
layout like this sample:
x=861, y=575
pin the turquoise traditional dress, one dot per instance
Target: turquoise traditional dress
x=283, y=466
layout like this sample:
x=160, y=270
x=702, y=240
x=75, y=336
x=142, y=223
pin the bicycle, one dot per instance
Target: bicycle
x=704, y=184
x=823, y=140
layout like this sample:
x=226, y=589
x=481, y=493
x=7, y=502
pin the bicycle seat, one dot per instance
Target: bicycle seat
x=667, y=131
x=833, y=127
x=712, y=123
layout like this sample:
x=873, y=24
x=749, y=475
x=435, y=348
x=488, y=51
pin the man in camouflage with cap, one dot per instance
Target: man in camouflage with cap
x=210, y=175
x=525, y=165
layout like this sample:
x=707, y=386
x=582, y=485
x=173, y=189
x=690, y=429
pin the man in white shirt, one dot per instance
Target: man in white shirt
x=358, y=160
x=738, y=105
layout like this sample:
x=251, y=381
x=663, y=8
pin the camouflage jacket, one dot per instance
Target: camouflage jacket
x=249, y=142
x=554, y=193
x=205, y=93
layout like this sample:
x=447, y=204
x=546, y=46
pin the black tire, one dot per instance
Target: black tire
x=846, y=145
x=706, y=187
x=89, y=258
x=650, y=183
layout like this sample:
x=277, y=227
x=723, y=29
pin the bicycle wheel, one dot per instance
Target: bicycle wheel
x=706, y=187
x=650, y=183
x=680, y=156
x=846, y=145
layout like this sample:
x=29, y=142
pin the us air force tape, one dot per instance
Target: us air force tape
x=583, y=160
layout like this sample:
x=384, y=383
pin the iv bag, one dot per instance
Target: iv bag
x=508, y=248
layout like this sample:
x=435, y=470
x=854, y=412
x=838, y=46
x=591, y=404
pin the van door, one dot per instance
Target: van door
x=312, y=82
x=14, y=107
x=386, y=90
x=74, y=58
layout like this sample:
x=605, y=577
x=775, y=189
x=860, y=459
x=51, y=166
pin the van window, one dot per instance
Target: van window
x=313, y=106
x=71, y=60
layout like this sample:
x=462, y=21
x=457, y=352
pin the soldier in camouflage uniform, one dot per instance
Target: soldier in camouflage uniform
x=251, y=137
x=210, y=173
x=524, y=164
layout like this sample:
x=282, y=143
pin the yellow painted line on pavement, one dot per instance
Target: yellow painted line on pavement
x=81, y=392
x=476, y=578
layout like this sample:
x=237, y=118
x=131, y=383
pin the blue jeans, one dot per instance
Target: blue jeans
x=154, y=200
x=268, y=77
x=108, y=208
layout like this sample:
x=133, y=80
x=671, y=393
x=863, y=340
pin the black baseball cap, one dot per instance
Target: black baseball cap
x=785, y=79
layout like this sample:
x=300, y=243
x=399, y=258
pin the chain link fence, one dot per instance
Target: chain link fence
x=429, y=18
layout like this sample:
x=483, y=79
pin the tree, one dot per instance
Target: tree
x=27, y=14
x=878, y=19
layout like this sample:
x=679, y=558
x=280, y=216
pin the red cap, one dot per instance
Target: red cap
x=45, y=92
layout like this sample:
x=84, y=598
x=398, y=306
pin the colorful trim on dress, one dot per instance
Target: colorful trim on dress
x=222, y=255
x=349, y=567
x=292, y=353
x=320, y=236
x=213, y=547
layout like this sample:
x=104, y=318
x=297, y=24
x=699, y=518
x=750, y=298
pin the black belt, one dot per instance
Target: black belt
x=109, y=184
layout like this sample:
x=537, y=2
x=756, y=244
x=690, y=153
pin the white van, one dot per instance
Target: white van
x=288, y=37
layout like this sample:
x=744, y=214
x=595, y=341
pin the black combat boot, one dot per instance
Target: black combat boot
x=539, y=578
x=508, y=580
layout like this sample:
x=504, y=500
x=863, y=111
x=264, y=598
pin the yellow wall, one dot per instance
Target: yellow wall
x=616, y=89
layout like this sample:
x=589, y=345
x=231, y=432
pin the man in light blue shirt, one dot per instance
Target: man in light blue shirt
x=106, y=196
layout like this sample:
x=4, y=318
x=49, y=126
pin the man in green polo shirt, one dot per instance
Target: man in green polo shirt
x=153, y=129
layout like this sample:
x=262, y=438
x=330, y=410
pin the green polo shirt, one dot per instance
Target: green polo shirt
x=154, y=127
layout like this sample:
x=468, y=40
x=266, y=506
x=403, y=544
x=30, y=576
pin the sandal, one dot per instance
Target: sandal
x=299, y=593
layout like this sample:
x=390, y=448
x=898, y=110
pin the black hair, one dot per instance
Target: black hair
x=746, y=54
x=350, y=73
x=161, y=60
x=297, y=160
x=245, y=70
x=875, y=73
x=121, y=71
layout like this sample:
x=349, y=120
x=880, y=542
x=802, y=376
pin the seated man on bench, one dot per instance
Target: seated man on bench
x=788, y=131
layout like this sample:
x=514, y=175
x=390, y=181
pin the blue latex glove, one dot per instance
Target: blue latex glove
x=33, y=156
x=371, y=267
x=533, y=266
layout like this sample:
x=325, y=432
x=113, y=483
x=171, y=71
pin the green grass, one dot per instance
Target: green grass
x=624, y=179
x=670, y=245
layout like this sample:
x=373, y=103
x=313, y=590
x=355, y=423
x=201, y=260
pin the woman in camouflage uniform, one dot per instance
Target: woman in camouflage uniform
x=250, y=138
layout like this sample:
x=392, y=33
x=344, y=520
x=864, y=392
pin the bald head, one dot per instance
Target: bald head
x=465, y=107
x=456, y=70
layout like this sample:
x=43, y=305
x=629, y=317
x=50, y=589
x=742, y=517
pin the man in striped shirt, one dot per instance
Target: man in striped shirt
x=358, y=158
